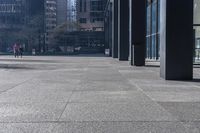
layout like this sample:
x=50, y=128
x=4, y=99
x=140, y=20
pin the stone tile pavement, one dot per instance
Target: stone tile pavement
x=93, y=95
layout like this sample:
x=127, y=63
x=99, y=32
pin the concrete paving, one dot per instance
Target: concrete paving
x=94, y=95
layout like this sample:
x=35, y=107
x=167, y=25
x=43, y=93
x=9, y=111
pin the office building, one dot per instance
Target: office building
x=58, y=12
x=12, y=14
x=50, y=18
x=61, y=11
x=90, y=14
x=160, y=30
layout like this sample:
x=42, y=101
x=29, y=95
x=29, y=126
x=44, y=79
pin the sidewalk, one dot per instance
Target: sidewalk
x=93, y=95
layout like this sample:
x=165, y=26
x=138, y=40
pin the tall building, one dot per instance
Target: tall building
x=66, y=13
x=16, y=16
x=64, y=10
x=12, y=14
x=50, y=18
x=34, y=8
x=61, y=11
x=12, y=19
x=58, y=12
x=90, y=14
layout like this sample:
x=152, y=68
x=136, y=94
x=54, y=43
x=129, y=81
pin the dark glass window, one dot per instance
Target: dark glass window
x=97, y=10
x=85, y=6
x=81, y=5
x=97, y=5
x=83, y=20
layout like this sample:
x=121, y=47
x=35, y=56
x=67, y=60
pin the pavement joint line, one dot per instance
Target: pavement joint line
x=196, y=86
x=39, y=103
x=65, y=106
x=153, y=100
x=145, y=121
x=67, y=103
x=16, y=85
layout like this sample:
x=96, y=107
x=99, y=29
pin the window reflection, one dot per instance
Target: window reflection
x=153, y=28
x=152, y=37
x=197, y=30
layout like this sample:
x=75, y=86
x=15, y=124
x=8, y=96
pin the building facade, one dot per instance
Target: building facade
x=15, y=17
x=12, y=14
x=90, y=14
x=58, y=12
x=159, y=30
x=153, y=30
x=50, y=19
x=61, y=11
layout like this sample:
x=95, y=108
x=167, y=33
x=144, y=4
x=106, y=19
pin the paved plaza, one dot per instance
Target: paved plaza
x=94, y=95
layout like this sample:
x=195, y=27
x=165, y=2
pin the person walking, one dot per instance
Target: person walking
x=21, y=50
x=15, y=50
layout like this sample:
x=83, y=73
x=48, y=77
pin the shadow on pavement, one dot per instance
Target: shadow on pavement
x=153, y=66
x=4, y=66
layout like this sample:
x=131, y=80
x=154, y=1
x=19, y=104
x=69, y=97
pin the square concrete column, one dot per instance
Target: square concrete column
x=115, y=29
x=138, y=32
x=123, y=30
x=176, y=38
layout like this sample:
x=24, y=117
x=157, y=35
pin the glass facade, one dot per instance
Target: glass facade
x=153, y=26
x=197, y=30
x=97, y=11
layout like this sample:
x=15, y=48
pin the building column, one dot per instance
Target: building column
x=123, y=27
x=115, y=29
x=138, y=32
x=176, y=38
x=110, y=28
x=106, y=32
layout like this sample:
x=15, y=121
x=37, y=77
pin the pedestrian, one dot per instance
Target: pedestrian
x=21, y=50
x=15, y=50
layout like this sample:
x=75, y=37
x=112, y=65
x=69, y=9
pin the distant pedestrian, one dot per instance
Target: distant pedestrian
x=15, y=50
x=21, y=50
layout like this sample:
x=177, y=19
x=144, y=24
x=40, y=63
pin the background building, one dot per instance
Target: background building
x=50, y=18
x=90, y=14
x=58, y=13
x=21, y=21
x=12, y=18
x=72, y=15
x=80, y=20
x=61, y=11
x=12, y=14
x=90, y=19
